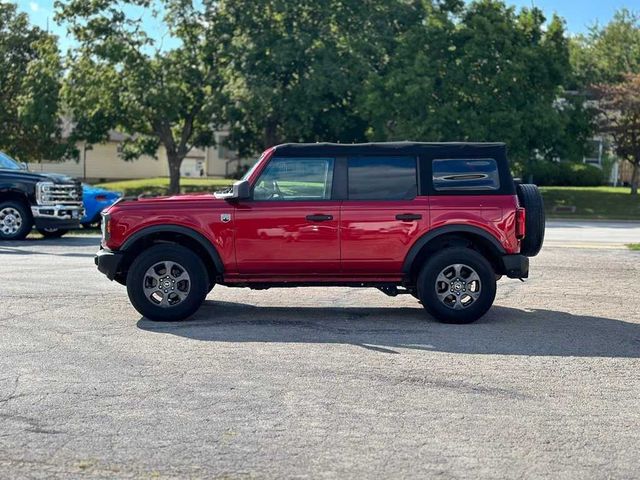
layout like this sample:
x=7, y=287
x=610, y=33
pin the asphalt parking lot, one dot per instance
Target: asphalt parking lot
x=318, y=383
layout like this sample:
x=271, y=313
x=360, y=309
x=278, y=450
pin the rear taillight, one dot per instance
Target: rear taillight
x=520, y=221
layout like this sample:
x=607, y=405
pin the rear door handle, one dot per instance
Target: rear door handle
x=408, y=217
x=319, y=218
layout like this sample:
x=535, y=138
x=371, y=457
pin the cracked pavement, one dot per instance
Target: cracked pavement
x=318, y=382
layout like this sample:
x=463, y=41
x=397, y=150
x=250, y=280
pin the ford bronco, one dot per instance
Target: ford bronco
x=439, y=221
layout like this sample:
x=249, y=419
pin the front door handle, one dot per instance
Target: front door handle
x=319, y=218
x=408, y=217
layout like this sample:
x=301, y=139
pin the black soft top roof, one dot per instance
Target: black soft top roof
x=436, y=150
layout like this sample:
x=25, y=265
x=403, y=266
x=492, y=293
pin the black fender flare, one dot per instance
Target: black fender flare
x=447, y=229
x=186, y=231
x=12, y=190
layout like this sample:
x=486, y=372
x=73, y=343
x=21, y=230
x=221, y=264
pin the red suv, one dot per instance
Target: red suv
x=440, y=221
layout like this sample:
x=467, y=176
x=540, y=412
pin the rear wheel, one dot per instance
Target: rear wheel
x=167, y=283
x=457, y=285
x=52, y=232
x=15, y=221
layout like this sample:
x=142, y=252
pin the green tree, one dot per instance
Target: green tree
x=30, y=78
x=607, y=53
x=606, y=63
x=619, y=107
x=410, y=97
x=295, y=69
x=482, y=72
x=122, y=78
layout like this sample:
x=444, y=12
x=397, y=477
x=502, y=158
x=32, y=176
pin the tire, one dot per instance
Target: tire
x=93, y=223
x=52, y=232
x=15, y=220
x=531, y=200
x=180, y=300
x=470, y=298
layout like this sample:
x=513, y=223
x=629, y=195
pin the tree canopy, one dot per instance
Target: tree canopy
x=121, y=77
x=30, y=79
x=484, y=73
x=619, y=108
x=273, y=71
x=606, y=63
x=608, y=52
x=294, y=70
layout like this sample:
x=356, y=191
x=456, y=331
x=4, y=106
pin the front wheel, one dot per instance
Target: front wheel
x=167, y=283
x=52, y=232
x=15, y=221
x=457, y=285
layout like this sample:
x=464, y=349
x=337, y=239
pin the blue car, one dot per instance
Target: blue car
x=96, y=199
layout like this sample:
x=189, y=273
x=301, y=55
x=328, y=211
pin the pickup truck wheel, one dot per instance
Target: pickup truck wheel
x=457, y=285
x=15, y=221
x=52, y=232
x=167, y=283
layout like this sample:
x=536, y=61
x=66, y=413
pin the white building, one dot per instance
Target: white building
x=102, y=162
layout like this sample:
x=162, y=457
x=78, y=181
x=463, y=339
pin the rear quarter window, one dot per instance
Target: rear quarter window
x=459, y=174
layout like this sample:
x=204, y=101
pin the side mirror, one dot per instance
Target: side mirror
x=24, y=166
x=239, y=191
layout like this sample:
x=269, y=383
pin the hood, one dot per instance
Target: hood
x=35, y=177
x=94, y=190
x=168, y=202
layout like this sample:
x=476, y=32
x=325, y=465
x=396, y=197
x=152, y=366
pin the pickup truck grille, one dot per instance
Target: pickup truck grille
x=49, y=193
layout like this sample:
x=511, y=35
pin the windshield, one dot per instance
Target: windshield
x=8, y=163
x=251, y=170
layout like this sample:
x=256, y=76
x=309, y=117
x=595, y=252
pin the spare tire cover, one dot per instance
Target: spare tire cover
x=531, y=200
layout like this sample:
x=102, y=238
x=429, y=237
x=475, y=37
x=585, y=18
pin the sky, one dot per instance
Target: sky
x=579, y=14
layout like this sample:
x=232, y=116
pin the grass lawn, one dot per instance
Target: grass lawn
x=160, y=185
x=634, y=246
x=595, y=203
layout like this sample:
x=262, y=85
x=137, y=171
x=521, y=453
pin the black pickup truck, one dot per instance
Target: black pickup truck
x=52, y=203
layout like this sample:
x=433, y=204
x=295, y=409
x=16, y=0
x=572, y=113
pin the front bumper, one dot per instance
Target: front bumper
x=108, y=262
x=57, y=216
x=515, y=266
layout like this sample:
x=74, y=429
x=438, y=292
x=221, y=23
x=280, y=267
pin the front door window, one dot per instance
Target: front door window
x=295, y=179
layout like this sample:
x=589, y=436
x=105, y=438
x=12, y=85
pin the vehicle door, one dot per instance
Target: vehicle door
x=290, y=224
x=382, y=215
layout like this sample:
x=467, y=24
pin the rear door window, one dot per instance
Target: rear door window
x=382, y=178
x=465, y=174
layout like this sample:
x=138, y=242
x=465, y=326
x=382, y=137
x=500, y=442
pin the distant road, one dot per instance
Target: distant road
x=591, y=234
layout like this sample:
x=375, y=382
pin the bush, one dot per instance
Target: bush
x=563, y=174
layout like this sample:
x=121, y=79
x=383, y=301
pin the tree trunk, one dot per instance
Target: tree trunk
x=174, y=172
x=270, y=133
x=635, y=177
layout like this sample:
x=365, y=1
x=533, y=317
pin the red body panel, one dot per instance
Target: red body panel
x=273, y=241
x=269, y=240
x=495, y=214
x=275, y=238
x=373, y=241
x=201, y=213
